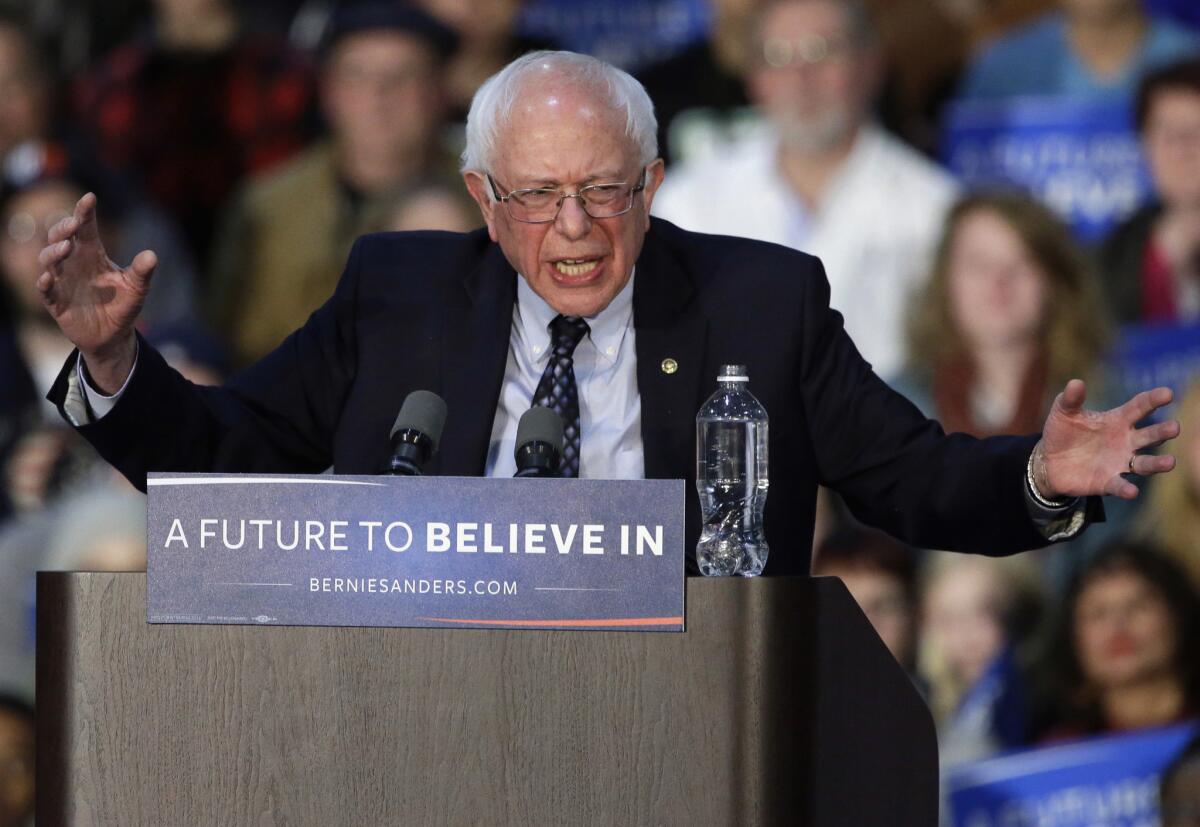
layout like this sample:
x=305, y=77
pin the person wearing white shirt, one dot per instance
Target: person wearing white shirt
x=821, y=177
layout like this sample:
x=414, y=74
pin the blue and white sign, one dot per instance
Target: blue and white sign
x=415, y=551
x=1149, y=355
x=629, y=33
x=1081, y=159
x=1103, y=782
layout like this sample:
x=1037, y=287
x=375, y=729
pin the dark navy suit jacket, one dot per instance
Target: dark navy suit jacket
x=434, y=311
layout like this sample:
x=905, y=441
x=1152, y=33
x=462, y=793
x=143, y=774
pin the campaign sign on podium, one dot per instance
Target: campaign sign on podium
x=415, y=551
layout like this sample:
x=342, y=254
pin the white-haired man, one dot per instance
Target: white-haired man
x=575, y=298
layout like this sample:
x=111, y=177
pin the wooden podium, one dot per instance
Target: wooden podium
x=778, y=705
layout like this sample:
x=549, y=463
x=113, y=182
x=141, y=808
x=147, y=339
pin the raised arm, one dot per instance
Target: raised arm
x=278, y=415
x=94, y=300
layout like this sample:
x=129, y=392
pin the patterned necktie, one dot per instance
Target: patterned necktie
x=557, y=389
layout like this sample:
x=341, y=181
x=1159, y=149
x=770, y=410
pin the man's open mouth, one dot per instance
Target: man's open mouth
x=576, y=266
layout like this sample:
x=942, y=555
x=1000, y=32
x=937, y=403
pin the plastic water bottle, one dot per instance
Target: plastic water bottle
x=731, y=477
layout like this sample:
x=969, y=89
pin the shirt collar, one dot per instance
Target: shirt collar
x=606, y=329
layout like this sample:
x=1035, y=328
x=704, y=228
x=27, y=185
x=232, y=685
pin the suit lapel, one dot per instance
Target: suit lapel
x=475, y=340
x=671, y=337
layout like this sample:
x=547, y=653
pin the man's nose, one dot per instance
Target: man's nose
x=573, y=221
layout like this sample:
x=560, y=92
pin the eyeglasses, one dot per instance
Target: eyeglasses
x=540, y=205
x=25, y=228
x=810, y=50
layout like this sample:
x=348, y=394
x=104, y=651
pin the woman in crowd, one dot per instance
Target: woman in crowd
x=1171, y=518
x=1123, y=654
x=977, y=614
x=880, y=574
x=1151, y=262
x=1010, y=313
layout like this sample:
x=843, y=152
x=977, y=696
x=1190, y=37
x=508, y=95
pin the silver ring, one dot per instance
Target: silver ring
x=1131, y=459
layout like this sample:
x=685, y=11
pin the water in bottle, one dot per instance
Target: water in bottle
x=731, y=476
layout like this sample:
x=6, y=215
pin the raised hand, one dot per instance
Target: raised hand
x=95, y=301
x=1084, y=453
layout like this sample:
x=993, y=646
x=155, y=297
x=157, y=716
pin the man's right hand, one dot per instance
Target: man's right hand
x=95, y=301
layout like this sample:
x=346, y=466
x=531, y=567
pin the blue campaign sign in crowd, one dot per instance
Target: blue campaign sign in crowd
x=1149, y=355
x=1185, y=11
x=1081, y=158
x=629, y=33
x=1103, y=782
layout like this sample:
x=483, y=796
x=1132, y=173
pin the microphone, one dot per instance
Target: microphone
x=539, y=443
x=416, y=434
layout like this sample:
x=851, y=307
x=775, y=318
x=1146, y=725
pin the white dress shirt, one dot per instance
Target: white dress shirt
x=610, y=409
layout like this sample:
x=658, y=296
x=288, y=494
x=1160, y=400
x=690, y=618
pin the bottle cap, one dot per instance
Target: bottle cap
x=733, y=373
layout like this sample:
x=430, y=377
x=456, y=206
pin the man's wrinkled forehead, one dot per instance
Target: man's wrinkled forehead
x=559, y=95
x=565, y=119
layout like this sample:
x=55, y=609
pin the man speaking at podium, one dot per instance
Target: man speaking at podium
x=572, y=272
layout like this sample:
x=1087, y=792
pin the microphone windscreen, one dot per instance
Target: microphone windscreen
x=540, y=424
x=422, y=411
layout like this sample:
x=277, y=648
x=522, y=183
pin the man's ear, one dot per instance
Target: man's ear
x=654, y=177
x=477, y=185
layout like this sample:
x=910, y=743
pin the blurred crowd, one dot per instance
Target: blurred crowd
x=249, y=148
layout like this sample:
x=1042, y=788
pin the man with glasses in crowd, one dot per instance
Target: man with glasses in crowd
x=820, y=175
x=573, y=297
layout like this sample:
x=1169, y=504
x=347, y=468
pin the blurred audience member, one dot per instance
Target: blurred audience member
x=880, y=575
x=17, y=738
x=1124, y=654
x=823, y=177
x=25, y=95
x=26, y=220
x=702, y=86
x=192, y=351
x=32, y=151
x=22, y=548
x=1172, y=515
x=1090, y=49
x=19, y=401
x=77, y=32
x=433, y=206
x=1151, y=263
x=1179, y=789
x=488, y=41
x=286, y=240
x=45, y=457
x=45, y=461
x=977, y=614
x=192, y=106
x=1010, y=313
x=103, y=529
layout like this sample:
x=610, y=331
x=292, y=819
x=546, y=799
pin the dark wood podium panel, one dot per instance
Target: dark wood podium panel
x=777, y=706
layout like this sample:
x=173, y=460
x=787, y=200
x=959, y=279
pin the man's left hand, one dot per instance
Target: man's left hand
x=1084, y=453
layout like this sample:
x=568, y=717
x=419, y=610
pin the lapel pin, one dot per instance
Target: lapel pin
x=669, y=366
